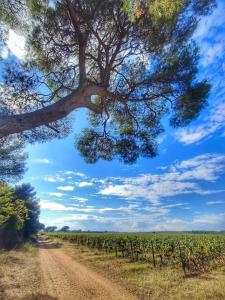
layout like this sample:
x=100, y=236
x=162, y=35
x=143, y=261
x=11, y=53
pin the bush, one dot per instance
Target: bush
x=13, y=213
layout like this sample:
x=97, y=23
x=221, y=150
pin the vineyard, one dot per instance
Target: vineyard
x=194, y=253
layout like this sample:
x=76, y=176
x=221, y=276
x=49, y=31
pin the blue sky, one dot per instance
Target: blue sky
x=183, y=188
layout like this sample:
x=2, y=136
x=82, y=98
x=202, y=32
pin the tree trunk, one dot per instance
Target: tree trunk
x=56, y=111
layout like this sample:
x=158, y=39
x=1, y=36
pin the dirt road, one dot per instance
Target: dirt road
x=65, y=278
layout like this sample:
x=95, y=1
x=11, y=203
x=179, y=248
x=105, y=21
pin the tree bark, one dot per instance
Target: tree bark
x=56, y=111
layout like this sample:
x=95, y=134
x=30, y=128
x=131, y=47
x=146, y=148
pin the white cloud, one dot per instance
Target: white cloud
x=174, y=205
x=157, y=211
x=152, y=192
x=84, y=184
x=54, y=179
x=212, y=221
x=53, y=206
x=172, y=225
x=94, y=209
x=80, y=217
x=211, y=52
x=65, y=188
x=182, y=178
x=50, y=205
x=206, y=167
x=210, y=36
x=206, y=35
x=79, y=174
x=58, y=195
x=62, y=176
x=211, y=124
x=216, y=19
x=126, y=209
x=16, y=44
x=80, y=199
x=42, y=161
x=139, y=222
x=86, y=209
x=162, y=168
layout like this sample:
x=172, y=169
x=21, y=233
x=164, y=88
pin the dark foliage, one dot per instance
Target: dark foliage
x=12, y=158
x=27, y=194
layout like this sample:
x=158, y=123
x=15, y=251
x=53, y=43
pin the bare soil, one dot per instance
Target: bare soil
x=64, y=278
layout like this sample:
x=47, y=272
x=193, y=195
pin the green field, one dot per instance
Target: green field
x=193, y=253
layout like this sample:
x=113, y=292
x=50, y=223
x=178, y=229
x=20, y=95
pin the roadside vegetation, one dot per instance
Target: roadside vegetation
x=165, y=280
x=19, y=215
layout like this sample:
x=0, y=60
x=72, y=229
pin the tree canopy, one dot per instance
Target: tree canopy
x=27, y=193
x=129, y=62
x=65, y=229
x=12, y=159
x=50, y=228
x=13, y=214
x=19, y=214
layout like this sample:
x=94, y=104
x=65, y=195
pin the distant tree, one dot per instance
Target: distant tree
x=13, y=214
x=128, y=62
x=41, y=226
x=12, y=158
x=65, y=228
x=27, y=194
x=50, y=228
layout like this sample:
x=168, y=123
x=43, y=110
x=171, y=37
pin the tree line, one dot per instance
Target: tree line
x=19, y=214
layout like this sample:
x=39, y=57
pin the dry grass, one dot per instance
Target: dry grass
x=19, y=274
x=149, y=283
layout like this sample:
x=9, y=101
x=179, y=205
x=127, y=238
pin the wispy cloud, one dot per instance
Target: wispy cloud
x=210, y=36
x=215, y=202
x=56, y=194
x=66, y=188
x=79, y=199
x=54, y=179
x=84, y=184
x=53, y=206
x=211, y=124
x=211, y=52
x=182, y=178
x=212, y=221
x=42, y=161
x=139, y=222
x=207, y=33
x=79, y=174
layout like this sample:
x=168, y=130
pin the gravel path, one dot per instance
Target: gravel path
x=65, y=278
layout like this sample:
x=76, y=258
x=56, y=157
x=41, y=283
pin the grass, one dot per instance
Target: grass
x=149, y=283
x=19, y=273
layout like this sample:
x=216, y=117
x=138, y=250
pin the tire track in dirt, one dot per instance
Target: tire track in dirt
x=65, y=278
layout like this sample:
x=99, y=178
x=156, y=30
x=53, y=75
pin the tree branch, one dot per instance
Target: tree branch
x=56, y=111
x=82, y=39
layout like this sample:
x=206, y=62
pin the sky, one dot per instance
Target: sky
x=183, y=188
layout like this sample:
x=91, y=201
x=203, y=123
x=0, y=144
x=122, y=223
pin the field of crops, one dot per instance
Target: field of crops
x=194, y=253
